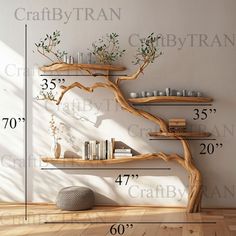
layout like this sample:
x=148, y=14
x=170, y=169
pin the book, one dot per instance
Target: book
x=118, y=154
x=98, y=150
x=112, y=147
x=92, y=150
x=177, y=122
x=85, y=151
x=106, y=149
x=123, y=150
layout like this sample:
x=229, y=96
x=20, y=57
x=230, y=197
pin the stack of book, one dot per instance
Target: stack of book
x=177, y=125
x=98, y=150
x=123, y=152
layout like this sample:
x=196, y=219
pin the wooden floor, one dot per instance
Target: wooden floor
x=45, y=220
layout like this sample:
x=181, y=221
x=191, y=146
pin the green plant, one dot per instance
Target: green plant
x=107, y=49
x=148, y=51
x=47, y=47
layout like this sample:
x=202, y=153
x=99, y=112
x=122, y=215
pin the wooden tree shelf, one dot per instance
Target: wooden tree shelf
x=185, y=160
x=182, y=134
x=72, y=161
x=170, y=99
x=68, y=67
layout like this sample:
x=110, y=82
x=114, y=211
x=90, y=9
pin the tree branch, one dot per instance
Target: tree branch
x=135, y=75
x=79, y=85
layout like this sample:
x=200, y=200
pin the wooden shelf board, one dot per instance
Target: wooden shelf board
x=68, y=67
x=170, y=99
x=193, y=134
x=78, y=161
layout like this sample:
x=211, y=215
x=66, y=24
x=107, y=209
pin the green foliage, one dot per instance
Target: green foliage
x=107, y=49
x=47, y=46
x=148, y=51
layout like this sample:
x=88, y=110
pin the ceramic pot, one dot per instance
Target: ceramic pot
x=143, y=94
x=56, y=149
x=80, y=58
x=168, y=92
x=89, y=58
x=199, y=94
x=190, y=93
x=65, y=58
x=155, y=93
x=184, y=92
x=173, y=92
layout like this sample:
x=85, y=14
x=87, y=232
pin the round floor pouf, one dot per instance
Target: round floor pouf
x=75, y=198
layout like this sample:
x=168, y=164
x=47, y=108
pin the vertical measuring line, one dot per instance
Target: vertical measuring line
x=26, y=129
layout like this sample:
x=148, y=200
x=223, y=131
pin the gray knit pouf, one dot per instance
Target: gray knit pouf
x=75, y=198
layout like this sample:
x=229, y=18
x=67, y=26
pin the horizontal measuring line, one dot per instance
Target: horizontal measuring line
x=82, y=75
x=133, y=222
x=68, y=168
x=172, y=104
x=200, y=139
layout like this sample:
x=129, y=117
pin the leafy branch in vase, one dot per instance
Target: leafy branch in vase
x=148, y=50
x=146, y=53
x=48, y=47
x=107, y=49
x=55, y=129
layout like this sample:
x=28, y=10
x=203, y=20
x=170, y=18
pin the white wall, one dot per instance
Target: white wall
x=210, y=69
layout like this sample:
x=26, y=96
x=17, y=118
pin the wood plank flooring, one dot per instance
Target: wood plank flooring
x=47, y=220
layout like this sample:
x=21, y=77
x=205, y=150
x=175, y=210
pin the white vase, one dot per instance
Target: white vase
x=56, y=149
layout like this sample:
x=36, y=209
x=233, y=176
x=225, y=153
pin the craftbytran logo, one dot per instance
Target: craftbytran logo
x=135, y=130
x=190, y=40
x=180, y=194
x=59, y=14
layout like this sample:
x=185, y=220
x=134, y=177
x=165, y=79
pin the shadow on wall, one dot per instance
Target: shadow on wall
x=11, y=140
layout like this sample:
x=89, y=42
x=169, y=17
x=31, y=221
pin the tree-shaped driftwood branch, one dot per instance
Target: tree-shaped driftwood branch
x=195, y=191
x=146, y=55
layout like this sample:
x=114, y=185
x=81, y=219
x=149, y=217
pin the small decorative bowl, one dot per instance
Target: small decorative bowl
x=173, y=92
x=190, y=93
x=133, y=95
x=179, y=93
x=199, y=94
x=162, y=93
x=149, y=94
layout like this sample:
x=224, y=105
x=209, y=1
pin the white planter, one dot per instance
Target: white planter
x=56, y=149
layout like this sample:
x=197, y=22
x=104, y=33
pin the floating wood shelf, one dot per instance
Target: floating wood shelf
x=182, y=134
x=72, y=161
x=68, y=67
x=170, y=99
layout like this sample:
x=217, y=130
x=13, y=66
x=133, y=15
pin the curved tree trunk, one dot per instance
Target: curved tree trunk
x=195, y=180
